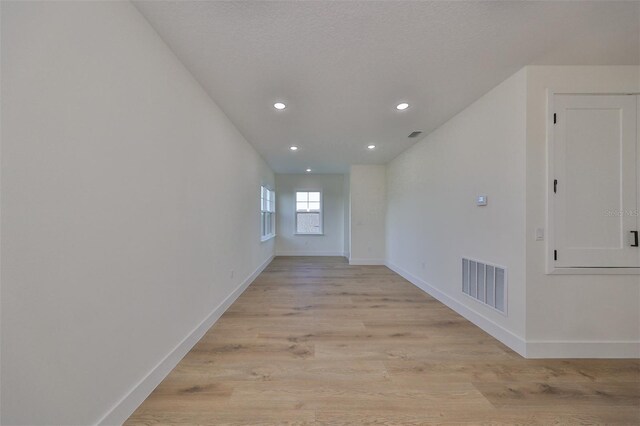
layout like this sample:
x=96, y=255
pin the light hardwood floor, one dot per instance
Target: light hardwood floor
x=316, y=341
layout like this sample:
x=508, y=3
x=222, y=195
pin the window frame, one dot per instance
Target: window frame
x=267, y=213
x=296, y=212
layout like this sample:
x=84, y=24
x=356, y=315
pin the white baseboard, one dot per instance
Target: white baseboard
x=528, y=349
x=516, y=343
x=578, y=349
x=366, y=262
x=132, y=400
x=309, y=253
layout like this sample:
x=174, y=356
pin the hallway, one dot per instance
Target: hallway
x=314, y=340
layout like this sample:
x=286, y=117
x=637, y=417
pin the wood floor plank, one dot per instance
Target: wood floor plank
x=545, y=371
x=316, y=341
x=549, y=395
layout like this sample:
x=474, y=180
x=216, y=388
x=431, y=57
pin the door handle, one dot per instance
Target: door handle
x=635, y=239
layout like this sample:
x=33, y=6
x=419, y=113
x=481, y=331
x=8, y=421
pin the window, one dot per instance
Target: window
x=308, y=212
x=267, y=213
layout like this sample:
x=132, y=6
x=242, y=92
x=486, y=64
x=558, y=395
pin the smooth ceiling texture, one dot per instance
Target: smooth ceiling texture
x=341, y=67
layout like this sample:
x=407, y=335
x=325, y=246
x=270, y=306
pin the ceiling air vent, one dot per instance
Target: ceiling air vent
x=415, y=134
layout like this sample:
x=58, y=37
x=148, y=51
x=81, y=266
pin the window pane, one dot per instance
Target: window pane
x=314, y=206
x=302, y=206
x=302, y=196
x=308, y=223
x=314, y=196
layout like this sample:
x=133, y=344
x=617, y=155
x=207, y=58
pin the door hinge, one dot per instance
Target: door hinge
x=555, y=255
x=555, y=186
x=555, y=118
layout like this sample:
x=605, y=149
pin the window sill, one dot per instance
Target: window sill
x=267, y=238
x=309, y=234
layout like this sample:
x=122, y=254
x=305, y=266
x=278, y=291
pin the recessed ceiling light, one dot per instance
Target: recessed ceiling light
x=293, y=148
x=308, y=170
x=371, y=147
x=279, y=105
x=402, y=106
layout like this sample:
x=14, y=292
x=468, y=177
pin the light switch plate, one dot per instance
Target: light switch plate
x=539, y=234
x=481, y=200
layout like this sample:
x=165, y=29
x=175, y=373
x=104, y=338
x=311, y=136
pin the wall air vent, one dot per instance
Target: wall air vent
x=485, y=283
x=415, y=134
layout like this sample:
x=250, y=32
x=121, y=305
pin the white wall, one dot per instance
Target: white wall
x=368, y=211
x=127, y=200
x=432, y=220
x=498, y=147
x=573, y=315
x=331, y=243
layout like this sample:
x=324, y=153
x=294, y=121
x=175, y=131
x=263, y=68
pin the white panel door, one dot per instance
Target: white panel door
x=596, y=174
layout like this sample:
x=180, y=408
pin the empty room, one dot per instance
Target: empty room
x=319, y=212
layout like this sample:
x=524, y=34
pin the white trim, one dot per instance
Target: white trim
x=550, y=267
x=309, y=253
x=549, y=213
x=583, y=349
x=122, y=409
x=366, y=262
x=267, y=238
x=516, y=343
x=594, y=271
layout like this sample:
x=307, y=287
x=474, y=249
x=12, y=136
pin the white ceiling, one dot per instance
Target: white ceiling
x=341, y=67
